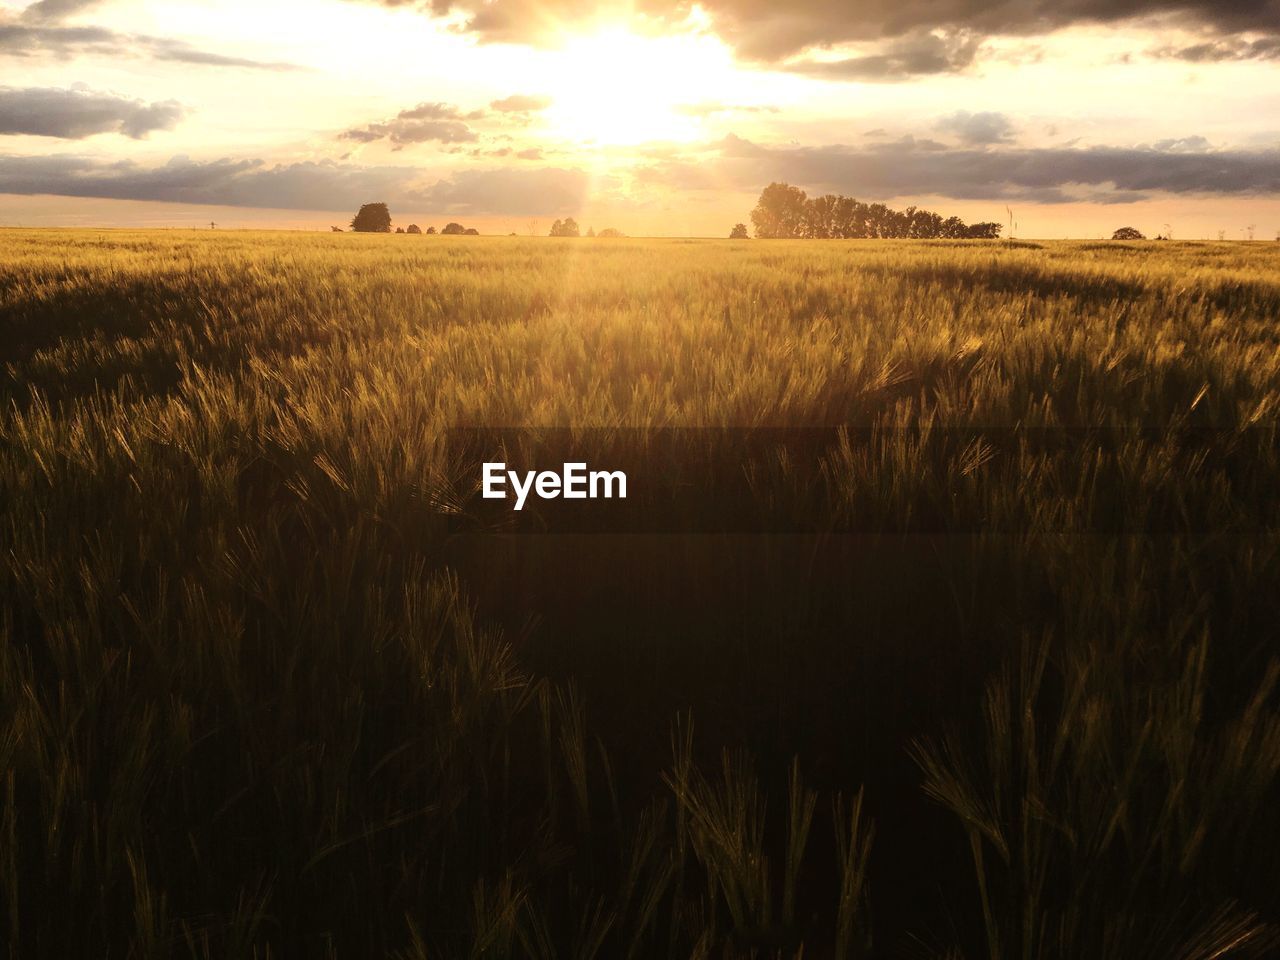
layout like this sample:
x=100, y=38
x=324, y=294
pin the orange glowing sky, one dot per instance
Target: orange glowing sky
x=658, y=119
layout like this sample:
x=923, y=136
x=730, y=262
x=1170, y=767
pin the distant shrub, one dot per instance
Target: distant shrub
x=608, y=233
x=414, y=228
x=431, y=231
x=471, y=232
x=453, y=230
x=372, y=218
x=1128, y=233
x=568, y=227
x=739, y=232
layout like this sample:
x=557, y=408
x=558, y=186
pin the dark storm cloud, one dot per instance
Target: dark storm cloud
x=76, y=114
x=977, y=129
x=439, y=122
x=766, y=30
x=298, y=186
x=911, y=167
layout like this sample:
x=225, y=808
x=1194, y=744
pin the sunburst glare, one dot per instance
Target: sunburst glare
x=616, y=87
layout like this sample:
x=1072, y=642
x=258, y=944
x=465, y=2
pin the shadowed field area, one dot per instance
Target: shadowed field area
x=982, y=662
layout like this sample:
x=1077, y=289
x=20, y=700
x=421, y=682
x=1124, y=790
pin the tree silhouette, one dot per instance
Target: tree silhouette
x=431, y=231
x=739, y=232
x=608, y=233
x=399, y=229
x=787, y=212
x=414, y=228
x=1128, y=233
x=986, y=230
x=372, y=218
x=453, y=230
x=781, y=212
x=568, y=227
x=591, y=231
x=471, y=232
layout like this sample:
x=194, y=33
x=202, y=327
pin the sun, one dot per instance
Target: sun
x=615, y=87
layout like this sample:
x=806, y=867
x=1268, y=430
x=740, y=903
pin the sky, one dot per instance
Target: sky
x=656, y=117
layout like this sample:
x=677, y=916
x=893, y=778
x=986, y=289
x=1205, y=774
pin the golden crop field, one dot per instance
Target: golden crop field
x=942, y=621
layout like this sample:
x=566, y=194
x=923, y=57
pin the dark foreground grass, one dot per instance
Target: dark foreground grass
x=989, y=672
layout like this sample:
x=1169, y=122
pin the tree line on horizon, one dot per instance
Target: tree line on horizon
x=568, y=227
x=376, y=218
x=785, y=212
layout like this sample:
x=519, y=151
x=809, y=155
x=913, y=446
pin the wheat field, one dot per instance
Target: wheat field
x=982, y=663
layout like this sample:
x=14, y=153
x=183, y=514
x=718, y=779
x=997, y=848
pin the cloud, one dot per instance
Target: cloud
x=767, y=31
x=773, y=31
x=532, y=153
x=547, y=191
x=977, y=129
x=45, y=11
x=225, y=182
x=35, y=37
x=424, y=123
x=327, y=185
x=521, y=103
x=438, y=111
x=909, y=167
x=439, y=122
x=920, y=54
x=404, y=132
x=878, y=170
x=1195, y=144
x=1219, y=51
x=75, y=114
x=160, y=48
